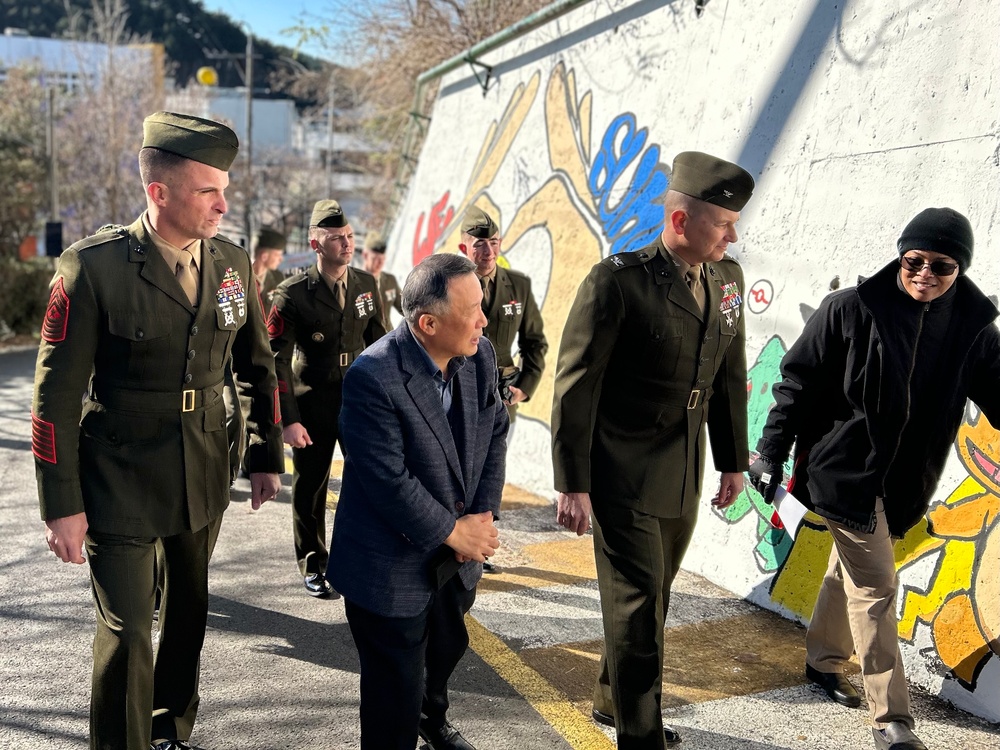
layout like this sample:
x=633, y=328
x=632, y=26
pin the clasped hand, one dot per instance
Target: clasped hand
x=474, y=537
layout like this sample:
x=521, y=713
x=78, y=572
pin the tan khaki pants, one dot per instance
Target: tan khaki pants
x=856, y=611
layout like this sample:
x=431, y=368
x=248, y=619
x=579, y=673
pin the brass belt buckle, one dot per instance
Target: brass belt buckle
x=187, y=400
x=693, y=398
x=344, y=359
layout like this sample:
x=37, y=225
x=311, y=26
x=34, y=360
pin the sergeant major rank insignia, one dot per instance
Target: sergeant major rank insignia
x=232, y=295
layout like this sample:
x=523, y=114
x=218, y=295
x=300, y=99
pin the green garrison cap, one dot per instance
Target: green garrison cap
x=711, y=179
x=205, y=141
x=479, y=224
x=271, y=239
x=374, y=242
x=327, y=213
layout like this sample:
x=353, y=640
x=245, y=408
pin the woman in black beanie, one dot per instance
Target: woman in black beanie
x=872, y=395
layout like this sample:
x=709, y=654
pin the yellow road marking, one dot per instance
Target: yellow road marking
x=554, y=707
x=514, y=498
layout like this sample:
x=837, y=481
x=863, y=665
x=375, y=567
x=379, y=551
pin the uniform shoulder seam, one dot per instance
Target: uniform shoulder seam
x=629, y=259
x=109, y=234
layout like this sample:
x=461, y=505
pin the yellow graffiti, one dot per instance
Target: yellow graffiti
x=961, y=603
x=796, y=586
x=562, y=210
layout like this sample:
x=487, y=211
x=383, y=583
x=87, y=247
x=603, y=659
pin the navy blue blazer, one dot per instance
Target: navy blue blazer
x=404, y=482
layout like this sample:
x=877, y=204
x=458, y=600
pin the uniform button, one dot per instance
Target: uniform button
x=702, y=361
x=188, y=378
x=707, y=337
x=191, y=354
x=663, y=273
x=194, y=330
x=459, y=506
x=139, y=333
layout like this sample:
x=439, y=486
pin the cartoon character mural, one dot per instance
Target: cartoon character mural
x=962, y=601
x=594, y=203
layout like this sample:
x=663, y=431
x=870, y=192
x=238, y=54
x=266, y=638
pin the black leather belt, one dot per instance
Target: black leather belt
x=127, y=399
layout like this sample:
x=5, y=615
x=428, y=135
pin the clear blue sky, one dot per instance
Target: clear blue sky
x=270, y=18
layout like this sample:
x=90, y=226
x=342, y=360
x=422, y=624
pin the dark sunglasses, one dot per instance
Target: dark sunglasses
x=938, y=267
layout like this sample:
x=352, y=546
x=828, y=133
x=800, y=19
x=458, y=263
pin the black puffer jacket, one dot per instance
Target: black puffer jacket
x=873, y=393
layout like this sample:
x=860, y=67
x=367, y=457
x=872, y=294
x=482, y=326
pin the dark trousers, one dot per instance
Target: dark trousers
x=638, y=556
x=406, y=663
x=135, y=700
x=319, y=410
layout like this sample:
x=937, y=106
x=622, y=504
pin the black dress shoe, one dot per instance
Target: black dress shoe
x=318, y=586
x=670, y=735
x=836, y=686
x=897, y=736
x=173, y=745
x=442, y=737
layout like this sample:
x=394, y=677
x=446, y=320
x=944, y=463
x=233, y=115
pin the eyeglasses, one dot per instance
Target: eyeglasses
x=938, y=267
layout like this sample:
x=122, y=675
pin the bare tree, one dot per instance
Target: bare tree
x=390, y=44
x=22, y=157
x=100, y=132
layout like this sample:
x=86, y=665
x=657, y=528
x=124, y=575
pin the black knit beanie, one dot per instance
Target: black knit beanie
x=939, y=230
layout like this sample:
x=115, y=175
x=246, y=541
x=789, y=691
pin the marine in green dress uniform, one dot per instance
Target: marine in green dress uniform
x=509, y=306
x=268, y=252
x=320, y=322
x=653, y=351
x=373, y=260
x=144, y=320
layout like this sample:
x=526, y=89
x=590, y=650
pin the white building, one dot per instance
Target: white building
x=274, y=120
x=69, y=64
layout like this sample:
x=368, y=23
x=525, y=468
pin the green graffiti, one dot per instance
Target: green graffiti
x=773, y=544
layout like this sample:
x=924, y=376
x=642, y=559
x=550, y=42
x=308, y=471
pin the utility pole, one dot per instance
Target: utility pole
x=53, y=227
x=248, y=146
x=50, y=142
x=329, y=137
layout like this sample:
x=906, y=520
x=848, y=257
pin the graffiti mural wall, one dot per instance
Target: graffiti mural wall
x=852, y=116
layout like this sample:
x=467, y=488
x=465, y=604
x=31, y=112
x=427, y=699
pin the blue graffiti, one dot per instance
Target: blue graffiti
x=635, y=219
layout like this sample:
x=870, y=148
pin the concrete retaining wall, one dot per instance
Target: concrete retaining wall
x=852, y=116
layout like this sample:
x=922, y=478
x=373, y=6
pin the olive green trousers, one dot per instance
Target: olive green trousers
x=136, y=699
x=638, y=556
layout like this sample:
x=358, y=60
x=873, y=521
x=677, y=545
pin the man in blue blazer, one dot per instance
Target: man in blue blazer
x=424, y=433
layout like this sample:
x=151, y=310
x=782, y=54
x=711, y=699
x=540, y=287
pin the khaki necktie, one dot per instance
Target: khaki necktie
x=485, y=283
x=341, y=288
x=693, y=277
x=186, y=275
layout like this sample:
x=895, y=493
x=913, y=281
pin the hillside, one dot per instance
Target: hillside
x=191, y=36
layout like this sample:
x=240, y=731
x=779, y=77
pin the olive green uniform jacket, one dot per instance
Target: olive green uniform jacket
x=392, y=296
x=640, y=375
x=122, y=345
x=313, y=341
x=513, y=313
x=271, y=281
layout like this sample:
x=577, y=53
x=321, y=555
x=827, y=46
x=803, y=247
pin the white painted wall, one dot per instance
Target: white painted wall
x=853, y=115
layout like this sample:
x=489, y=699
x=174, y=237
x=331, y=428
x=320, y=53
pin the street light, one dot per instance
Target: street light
x=247, y=145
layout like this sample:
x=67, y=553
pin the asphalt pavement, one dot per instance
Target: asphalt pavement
x=279, y=668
